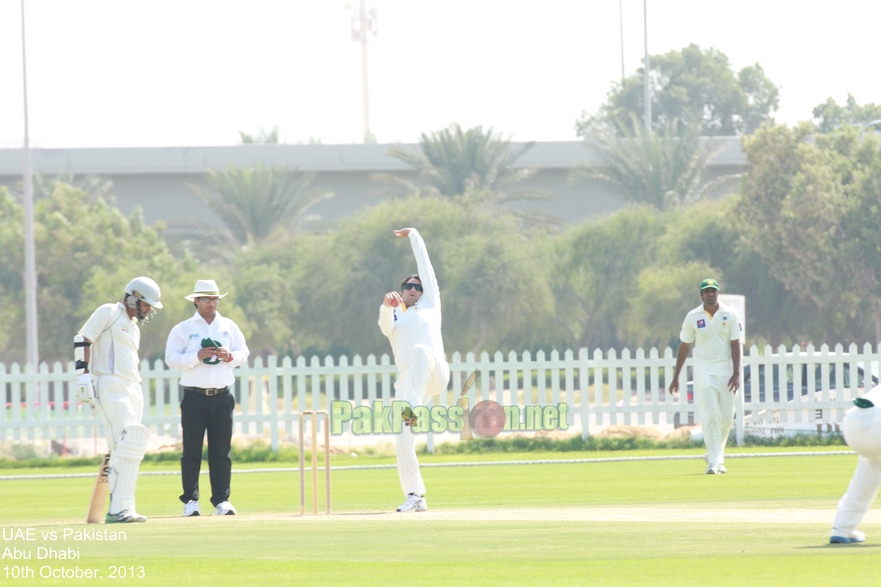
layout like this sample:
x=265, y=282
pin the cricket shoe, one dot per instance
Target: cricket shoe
x=192, y=509
x=409, y=418
x=722, y=468
x=224, y=508
x=414, y=503
x=855, y=536
x=124, y=517
x=714, y=469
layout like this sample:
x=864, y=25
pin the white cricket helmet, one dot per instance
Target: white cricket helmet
x=145, y=289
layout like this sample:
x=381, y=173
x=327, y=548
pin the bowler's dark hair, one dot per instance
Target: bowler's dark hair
x=408, y=278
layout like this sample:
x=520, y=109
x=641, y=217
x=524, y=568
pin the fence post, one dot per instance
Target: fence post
x=583, y=383
x=273, y=402
x=739, y=398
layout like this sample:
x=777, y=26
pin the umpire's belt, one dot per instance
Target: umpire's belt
x=207, y=390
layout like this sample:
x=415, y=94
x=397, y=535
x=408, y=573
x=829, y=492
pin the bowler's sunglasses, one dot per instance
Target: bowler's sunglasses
x=407, y=286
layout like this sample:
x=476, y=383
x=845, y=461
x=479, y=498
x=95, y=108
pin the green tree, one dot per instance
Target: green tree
x=829, y=116
x=688, y=86
x=253, y=203
x=12, y=320
x=593, y=268
x=84, y=248
x=810, y=205
x=94, y=184
x=708, y=237
x=322, y=292
x=455, y=161
x=628, y=280
x=658, y=301
x=273, y=281
x=660, y=169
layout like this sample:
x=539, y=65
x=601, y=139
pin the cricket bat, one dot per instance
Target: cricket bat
x=463, y=401
x=99, y=494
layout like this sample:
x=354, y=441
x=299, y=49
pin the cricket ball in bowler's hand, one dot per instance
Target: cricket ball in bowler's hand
x=487, y=419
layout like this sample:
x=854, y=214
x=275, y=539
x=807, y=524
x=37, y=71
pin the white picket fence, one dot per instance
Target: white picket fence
x=790, y=386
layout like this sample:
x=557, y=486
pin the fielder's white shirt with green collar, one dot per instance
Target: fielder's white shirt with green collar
x=711, y=338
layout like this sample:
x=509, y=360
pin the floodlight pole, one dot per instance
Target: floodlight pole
x=621, y=22
x=364, y=23
x=30, y=265
x=645, y=74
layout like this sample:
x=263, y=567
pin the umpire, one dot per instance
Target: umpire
x=206, y=348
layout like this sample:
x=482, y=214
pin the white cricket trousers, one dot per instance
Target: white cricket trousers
x=862, y=432
x=120, y=403
x=715, y=407
x=427, y=376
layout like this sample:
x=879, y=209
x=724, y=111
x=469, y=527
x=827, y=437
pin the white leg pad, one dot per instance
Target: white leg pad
x=124, y=463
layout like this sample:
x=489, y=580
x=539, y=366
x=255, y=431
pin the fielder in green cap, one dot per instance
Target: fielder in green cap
x=709, y=284
x=714, y=329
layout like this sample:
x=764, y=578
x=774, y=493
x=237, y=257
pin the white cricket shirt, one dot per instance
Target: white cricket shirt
x=711, y=337
x=185, y=342
x=115, y=341
x=420, y=323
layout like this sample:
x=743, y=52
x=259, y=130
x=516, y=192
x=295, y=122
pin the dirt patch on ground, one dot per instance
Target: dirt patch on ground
x=627, y=431
x=682, y=432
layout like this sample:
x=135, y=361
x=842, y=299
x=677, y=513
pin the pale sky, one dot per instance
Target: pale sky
x=128, y=73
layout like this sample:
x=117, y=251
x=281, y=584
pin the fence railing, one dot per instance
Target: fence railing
x=783, y=387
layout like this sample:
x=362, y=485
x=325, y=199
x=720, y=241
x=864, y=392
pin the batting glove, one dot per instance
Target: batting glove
x=85, y=393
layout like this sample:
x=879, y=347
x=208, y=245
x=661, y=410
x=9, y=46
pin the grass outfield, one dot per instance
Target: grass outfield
x=620, y=523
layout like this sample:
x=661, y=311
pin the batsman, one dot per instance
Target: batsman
x=106, y=352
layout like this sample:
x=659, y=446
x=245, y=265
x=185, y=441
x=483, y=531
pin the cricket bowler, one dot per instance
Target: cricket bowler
x=411, y=320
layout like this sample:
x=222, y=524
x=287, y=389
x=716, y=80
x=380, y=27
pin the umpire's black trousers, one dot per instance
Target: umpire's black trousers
x=212, y=413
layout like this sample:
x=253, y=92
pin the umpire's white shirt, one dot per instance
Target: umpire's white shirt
x=185, y=342
x=115, y=340
x=711, y=337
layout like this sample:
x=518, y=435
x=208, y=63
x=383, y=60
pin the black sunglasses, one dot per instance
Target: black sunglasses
x=407, y=286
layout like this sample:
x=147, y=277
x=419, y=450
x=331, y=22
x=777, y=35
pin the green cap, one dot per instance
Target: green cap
x=709, y=284
x=863, y=403
x=207, y=342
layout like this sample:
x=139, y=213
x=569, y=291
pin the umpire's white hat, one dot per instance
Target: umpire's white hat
x=205, y=288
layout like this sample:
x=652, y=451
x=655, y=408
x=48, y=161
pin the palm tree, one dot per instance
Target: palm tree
x=453, y=161
x=660, y=169
x=253, y=203
x=263, y=137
